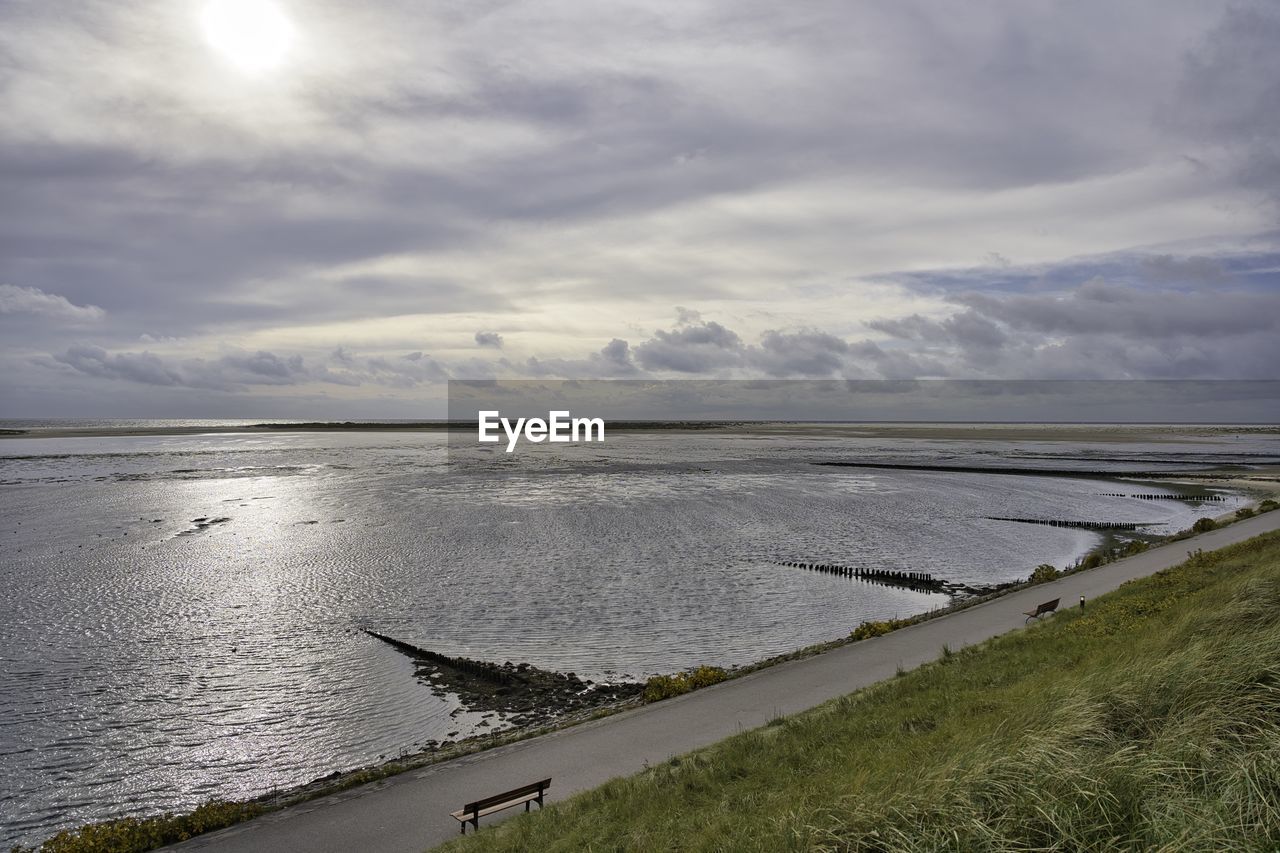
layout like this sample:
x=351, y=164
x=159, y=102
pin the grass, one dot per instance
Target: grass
x=133, y=835
x=1151, y=720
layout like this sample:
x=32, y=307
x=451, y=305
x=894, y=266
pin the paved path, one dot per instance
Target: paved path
x=410, y=812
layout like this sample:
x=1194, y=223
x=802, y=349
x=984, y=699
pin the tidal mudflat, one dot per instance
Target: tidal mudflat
x=186, y=612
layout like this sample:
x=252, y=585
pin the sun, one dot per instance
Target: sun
x=253, y=35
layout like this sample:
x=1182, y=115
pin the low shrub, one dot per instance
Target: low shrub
x=1044, y=572
x=867, y=630
x=132, y=835
x=1203, y=525
x=1267, y=505
x=665, y=686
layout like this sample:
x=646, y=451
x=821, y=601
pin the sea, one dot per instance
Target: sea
x=182, y=613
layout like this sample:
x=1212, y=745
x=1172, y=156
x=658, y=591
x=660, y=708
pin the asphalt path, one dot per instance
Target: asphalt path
x=410, y=812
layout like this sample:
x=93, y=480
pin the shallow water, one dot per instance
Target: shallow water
x=182, y=611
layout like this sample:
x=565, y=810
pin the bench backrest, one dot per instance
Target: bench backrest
x=514, y=793
x=1048, y=606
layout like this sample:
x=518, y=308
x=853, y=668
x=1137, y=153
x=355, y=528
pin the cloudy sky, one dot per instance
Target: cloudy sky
x=313, y=208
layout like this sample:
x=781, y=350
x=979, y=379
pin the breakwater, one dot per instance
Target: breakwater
x=917, y=581
x=889, y=577
x=1192, y=498
x=525, y=694
x=1080, y=525
x=475, y=668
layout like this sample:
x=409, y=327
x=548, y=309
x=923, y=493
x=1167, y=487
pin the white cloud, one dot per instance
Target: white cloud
x=32, y=300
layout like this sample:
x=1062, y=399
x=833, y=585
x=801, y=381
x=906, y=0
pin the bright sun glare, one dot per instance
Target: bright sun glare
x=253, y=35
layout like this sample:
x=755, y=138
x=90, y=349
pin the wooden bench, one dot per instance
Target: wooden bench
x=1042, y=610
x=472, y=812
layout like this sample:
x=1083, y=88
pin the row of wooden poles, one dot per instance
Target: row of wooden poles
x=881, y=575
x=1083, y=525
x=1164, y=497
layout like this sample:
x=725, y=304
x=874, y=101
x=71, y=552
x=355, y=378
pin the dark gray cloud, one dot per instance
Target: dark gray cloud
x=1193, y=270
x=407, y=371
x=697, y=347
x=613, y=360
x=1101, y=330
x=968, y=329
x=1229, y=96
x=489, y=339
x=142, y=367
x=1099, y=307
x=694, y=346
x=809, y=353
x=617, y=352
x=235, y=371
x=240, y=371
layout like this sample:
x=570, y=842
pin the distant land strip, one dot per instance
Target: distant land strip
x=460, y=426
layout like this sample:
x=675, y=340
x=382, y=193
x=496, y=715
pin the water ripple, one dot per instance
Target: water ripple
x=182, y=613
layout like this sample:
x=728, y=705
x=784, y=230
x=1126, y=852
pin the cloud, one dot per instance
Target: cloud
x=1193, y=270
x=407, y=371
x=1228, y=96
x=142, y=367
x=967, y=329
x=1097, y=329
x=1028, y=188
x=238, y=371
x=1093, y=330
x=232, y=371
x=614, y=358
x=1101, y=329
x=1099, y=307
x=694, y=346
x=808, y=352
x=32, y=300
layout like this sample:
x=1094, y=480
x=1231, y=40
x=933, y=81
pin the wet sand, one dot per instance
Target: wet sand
x=1083, y=432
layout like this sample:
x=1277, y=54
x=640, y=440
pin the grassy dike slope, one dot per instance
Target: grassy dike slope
x=1151, y=720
